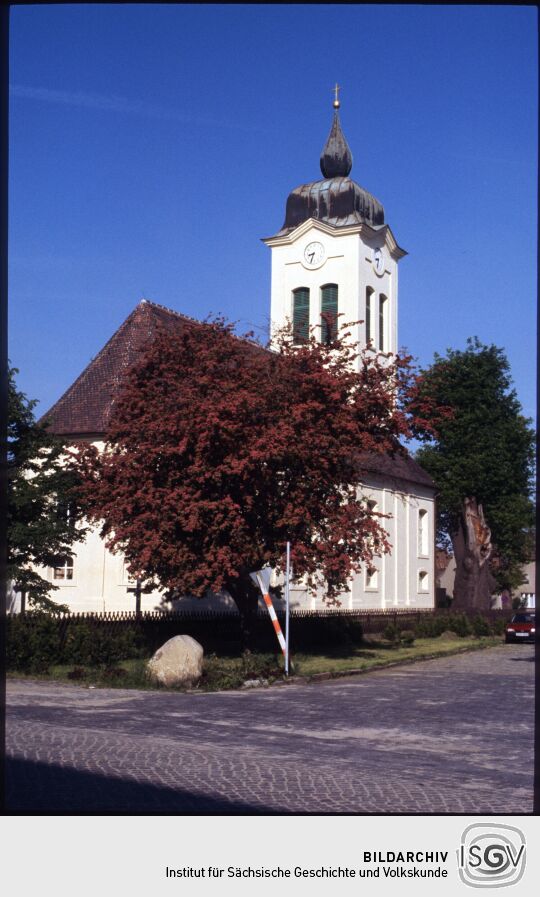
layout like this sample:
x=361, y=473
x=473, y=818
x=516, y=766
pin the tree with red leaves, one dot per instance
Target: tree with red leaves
x=219, y=451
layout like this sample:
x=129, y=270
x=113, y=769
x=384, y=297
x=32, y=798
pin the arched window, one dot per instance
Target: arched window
x=369, y=314
x=301, y=314
x=372, y=573
x=383, y=323
x=329, y=312
x=423, y=581
x=372, y=507
x=372, y=579
x=423, y=532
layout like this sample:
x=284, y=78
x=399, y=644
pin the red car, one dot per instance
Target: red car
x=521, y=627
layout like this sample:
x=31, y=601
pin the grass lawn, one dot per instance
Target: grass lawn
x=232, y=672
x=372, y=655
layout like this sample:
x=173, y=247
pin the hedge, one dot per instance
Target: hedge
x=35, y=641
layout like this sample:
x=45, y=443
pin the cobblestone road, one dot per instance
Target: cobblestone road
x=440, y=736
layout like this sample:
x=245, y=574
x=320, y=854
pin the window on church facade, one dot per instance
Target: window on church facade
x=65, y=511
x=126, y=579
x=372, y=579
x=64, y=572
x=423, y=533
x=423, y=581
x=383, y=323
x=329, y=312
x=369, y=314
x=372, y=574
x=301, y=314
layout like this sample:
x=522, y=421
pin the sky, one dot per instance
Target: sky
x=153, y=146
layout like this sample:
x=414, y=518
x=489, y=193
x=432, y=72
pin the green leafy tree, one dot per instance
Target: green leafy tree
x=43, y=520
x=482, y=463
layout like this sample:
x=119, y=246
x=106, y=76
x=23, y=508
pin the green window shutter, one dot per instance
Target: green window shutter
x=329, y=312
x=301, y=314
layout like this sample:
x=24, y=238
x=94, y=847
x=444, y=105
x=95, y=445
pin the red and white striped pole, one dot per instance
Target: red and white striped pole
x=262, y=577
x=275, y=622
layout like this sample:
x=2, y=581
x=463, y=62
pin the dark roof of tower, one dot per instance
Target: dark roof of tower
x=337, y=200
x=336, y=157
x=85, y=407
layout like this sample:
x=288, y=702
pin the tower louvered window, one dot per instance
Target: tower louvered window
x=383, y=323
x=329, y=312
x=301, y=314
x=369, y=314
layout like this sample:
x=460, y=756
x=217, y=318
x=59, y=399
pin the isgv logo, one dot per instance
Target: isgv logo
x=491, y=855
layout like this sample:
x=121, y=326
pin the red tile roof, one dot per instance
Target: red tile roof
x=85, y=407
x=398, y=467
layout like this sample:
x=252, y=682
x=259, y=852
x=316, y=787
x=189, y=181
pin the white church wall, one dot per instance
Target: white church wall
x=100, y=581
x=396, y=583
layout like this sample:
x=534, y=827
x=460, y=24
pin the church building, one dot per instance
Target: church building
x=334, y=255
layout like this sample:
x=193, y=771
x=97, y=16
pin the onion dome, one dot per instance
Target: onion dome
x=337, y=200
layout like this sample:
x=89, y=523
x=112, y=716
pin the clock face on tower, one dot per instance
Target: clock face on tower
x=378, y=261
x=314, y=254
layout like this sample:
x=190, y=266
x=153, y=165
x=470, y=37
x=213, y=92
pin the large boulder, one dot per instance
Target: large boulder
x=178, y=662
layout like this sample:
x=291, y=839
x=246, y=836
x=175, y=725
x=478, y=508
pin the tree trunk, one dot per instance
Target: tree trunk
x=474, y=583
x=246, y=597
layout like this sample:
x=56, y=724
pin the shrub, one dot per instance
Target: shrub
x=113, y=673
x=77, y=673
x=33, y=643
x=260, y=666
x=431, y=627
x=480, y=626
x=407, y=637
x=99, y=645
x=221, y=672
x=37, y=640
x=318, y=632
x=217, y=674
x=391, y=633
x=357, y=632
x=459, y=624
x=499, y=625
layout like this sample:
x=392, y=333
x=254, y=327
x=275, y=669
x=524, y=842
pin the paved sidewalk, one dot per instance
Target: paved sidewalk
x=439, y=736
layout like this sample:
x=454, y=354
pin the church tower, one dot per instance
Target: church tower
x=335, y=255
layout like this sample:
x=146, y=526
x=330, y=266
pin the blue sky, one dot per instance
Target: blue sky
x=152, y=146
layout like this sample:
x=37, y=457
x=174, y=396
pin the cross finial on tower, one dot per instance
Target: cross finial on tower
x=337, y=88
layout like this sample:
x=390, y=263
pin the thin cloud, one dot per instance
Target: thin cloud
x=113, y=103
